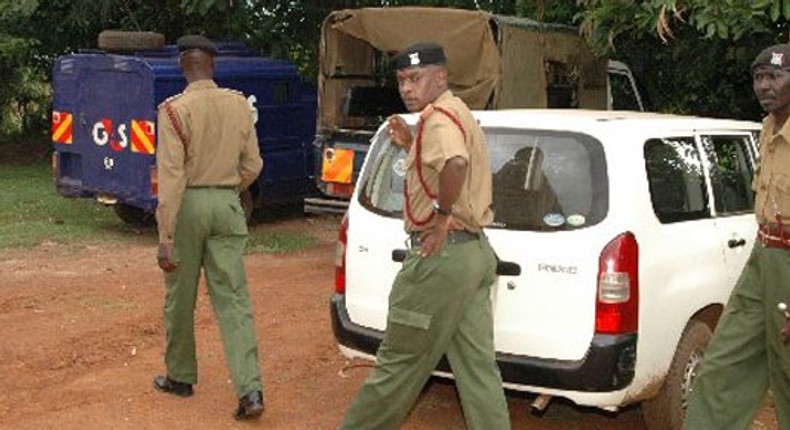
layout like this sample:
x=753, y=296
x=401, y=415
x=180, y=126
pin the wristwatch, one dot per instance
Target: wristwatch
x=438, y=209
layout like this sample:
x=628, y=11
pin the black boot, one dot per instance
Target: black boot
x=167, y=385
x=250, y=406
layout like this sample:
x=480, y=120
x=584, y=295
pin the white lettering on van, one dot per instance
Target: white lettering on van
x=557, y=268
x=123, y=142
x=100, y=135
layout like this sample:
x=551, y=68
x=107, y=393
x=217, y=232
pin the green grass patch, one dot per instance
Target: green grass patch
x=32, y=212
x=278, y=242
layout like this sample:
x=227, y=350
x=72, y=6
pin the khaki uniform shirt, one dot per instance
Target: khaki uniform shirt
x=210, y=141
x=772, y=178
x=442, y=140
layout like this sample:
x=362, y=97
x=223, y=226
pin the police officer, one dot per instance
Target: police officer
x=208, y=152
x=440, y=301
x=749, y=352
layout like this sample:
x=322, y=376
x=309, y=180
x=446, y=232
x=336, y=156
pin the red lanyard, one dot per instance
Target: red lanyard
x=418, y=161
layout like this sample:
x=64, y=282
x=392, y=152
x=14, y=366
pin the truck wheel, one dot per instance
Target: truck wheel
x=667, y=410
x=134, y=215
x=130, y=41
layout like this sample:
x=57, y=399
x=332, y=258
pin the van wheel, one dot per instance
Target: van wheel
x=667, y=410
x=134, y=215
x=130, y=41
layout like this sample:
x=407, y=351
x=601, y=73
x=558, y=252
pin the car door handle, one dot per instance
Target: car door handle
x=734, y=243
x=398, y=255
x=503, y=268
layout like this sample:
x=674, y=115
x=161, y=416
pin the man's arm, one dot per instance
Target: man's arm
x=450, y=158
x=170, y=158
x=251, y=162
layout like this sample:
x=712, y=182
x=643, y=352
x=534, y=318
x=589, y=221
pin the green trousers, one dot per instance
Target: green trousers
x=438, y=305
x=211, y=234
x=746, y=355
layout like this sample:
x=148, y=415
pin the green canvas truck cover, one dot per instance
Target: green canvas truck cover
x=494, y=61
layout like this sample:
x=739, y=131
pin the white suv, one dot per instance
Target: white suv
x=620, y=237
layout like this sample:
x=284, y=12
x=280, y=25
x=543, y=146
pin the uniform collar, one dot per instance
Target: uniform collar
x=203, y=84
x=446, y=95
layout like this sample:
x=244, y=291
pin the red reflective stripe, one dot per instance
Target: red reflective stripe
x=61, y=127
x=142, y=136
x=176, y=126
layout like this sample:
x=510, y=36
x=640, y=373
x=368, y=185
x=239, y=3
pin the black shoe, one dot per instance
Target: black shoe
x=250, y=406
x=167, y=385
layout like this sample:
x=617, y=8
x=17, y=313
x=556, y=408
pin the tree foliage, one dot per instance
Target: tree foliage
x=692, y=55
x=607, y=21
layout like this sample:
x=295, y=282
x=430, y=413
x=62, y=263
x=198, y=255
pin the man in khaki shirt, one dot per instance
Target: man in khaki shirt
x=440, y=300
x=749, y=352
x=208, y=152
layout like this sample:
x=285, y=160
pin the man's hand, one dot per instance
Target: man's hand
x=400, y=134
x=164, y=257
x=786, y=332
x=431, y=240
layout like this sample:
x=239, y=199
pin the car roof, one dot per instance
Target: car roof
x=592, y=121
x=584, y=119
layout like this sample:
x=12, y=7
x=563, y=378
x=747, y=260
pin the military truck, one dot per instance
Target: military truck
x=495, y=62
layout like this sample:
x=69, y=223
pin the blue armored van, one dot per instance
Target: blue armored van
x=104, y=129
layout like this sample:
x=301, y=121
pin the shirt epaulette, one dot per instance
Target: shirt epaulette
x=231, y=90
x=170, y=99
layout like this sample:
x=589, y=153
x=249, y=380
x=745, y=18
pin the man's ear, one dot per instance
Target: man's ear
x=443, y=74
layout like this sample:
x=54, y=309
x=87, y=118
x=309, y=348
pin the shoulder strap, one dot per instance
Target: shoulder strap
x=171, y=115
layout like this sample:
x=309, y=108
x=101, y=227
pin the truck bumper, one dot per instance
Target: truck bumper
x=607, y=366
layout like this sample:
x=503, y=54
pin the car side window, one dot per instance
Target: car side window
x=676, y=179
x=731, y=173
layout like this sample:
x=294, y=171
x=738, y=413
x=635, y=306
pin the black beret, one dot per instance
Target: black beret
x=418, y=55
x=777, y=56
x=196, y=41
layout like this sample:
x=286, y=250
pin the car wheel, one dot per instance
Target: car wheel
x=130, y=41
x=667, y=410
x=134, y=215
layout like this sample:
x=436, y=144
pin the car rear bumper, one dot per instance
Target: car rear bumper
x=608, y=364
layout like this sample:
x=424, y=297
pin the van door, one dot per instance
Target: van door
x=550, y=198
x=731, y=168
x=115, y=110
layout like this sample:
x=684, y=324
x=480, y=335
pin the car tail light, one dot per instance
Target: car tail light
x=617, y=303
x=339, y=190
x=340, y=256
x=154, y=181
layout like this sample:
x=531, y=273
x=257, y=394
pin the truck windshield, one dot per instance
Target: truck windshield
x=543, y=181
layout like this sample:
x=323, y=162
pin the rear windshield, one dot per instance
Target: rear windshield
x=543, y=181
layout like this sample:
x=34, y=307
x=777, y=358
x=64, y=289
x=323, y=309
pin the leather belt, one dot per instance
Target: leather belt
x=773, y=236
x=454, y=237
x=213, y=187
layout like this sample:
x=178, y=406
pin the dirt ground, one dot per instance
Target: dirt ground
x=82, y=336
